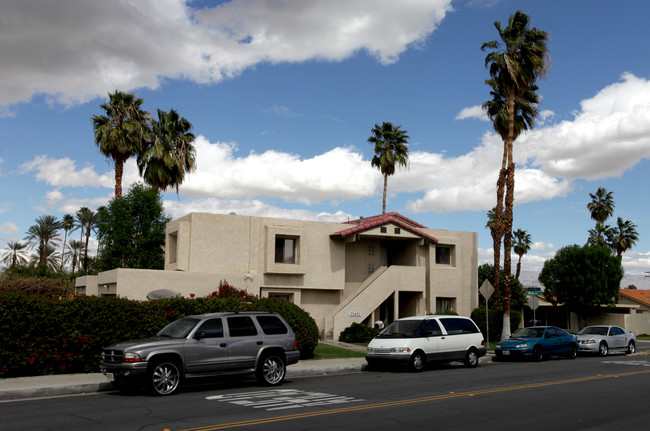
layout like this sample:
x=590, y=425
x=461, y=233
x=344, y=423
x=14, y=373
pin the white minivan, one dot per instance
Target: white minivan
x=414, y=341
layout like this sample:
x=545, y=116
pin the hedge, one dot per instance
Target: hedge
x=49, y=336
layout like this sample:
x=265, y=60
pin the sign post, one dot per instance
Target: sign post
x=533, y=300
x=486, y=290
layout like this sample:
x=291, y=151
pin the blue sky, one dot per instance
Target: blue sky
x=283, y=95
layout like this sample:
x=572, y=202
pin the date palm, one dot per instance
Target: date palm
x=623, y=236
x=87, y=221
x=15, y=255
x=391, y=150
x=514, y=63
x=67, y=224
x=42, y=234
x=120, y=133
x=170, y=152
x=521, y=245
x=74, y=252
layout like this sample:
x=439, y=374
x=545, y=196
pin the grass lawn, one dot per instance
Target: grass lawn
x=325, y=351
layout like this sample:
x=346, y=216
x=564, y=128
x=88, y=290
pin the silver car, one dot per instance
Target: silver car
x=603, y=339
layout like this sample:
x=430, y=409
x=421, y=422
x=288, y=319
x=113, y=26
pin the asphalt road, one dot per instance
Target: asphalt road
x=586, y=393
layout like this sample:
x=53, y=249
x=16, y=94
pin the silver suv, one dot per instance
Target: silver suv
x=203, y=346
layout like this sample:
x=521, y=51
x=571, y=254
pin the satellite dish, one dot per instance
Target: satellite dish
x=162, y=293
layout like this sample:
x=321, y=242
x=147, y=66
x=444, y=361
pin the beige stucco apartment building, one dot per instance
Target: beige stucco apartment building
x=375, y=268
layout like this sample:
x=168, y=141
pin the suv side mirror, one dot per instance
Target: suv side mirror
x=199, y=335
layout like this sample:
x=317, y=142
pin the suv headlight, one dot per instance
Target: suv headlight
x=400, y=349
x=132, y=357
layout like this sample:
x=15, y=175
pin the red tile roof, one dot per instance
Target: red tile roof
x=638, y=295
x=366, y=223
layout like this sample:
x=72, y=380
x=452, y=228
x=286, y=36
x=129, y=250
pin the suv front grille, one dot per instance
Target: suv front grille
x=113, y=356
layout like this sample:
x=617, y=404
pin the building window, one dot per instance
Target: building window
x=398, y=231
x=443, y=254
x=284, y=296
x=383, y=229
x=285, y=250
x=172, y=244
x=444, y=305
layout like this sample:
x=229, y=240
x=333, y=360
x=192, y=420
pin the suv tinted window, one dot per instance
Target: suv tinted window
x=241, y=326
x=212, y=328
x=271, y=325
x=455, y=325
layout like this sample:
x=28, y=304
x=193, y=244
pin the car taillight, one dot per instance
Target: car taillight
x=482, y=342
x=295, y=344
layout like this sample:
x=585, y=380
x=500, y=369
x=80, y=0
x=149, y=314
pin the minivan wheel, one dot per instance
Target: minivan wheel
x=271, y=370
x=471, y=358
x=164, y=377
x=417, y=361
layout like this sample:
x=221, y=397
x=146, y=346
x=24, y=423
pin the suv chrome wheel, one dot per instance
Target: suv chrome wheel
x=164, y=378
x=271, y=370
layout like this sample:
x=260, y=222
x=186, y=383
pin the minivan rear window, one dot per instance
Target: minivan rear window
x=455, y=325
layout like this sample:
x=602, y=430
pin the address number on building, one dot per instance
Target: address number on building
x=355, y=314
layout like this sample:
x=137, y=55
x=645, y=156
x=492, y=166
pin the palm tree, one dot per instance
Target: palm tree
x=623, y=237
x=42, y=234
x=599, y=235
x=120, y=133
x=52, y=259
x=390, y=150
x=514, y=64
x=169, y=154
x=521, y=246
x=88, y=221
x=525, y=114
x=74, y=252
x=67, y=224
x=14, y=257
x=601, y=206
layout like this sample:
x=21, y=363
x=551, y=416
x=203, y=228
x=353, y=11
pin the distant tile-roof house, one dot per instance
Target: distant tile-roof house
x=637, y=299
x=373, y=268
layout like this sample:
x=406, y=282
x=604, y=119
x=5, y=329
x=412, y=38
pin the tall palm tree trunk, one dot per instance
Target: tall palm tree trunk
x=119, y=172
x=498, y=226
x=383, y=205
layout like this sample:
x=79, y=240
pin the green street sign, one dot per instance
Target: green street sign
x=533, y=291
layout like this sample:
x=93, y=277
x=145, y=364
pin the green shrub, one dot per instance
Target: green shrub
x=40, y=335
x=358, y=333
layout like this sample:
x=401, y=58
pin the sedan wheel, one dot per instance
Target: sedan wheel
x=573, y=351
x=538, y=353
x=602, y=349
x=631, y=348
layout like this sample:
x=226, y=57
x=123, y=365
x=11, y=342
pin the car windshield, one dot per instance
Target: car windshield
x=594, y=330
x=529, y=333
x=401, y=328
x=178, y=328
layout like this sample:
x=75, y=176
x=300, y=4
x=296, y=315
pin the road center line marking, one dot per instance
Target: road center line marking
x=447, y=396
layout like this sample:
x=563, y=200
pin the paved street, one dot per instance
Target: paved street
x=586, y=393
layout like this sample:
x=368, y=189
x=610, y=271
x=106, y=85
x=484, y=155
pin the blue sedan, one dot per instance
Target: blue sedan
x=536, y=342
